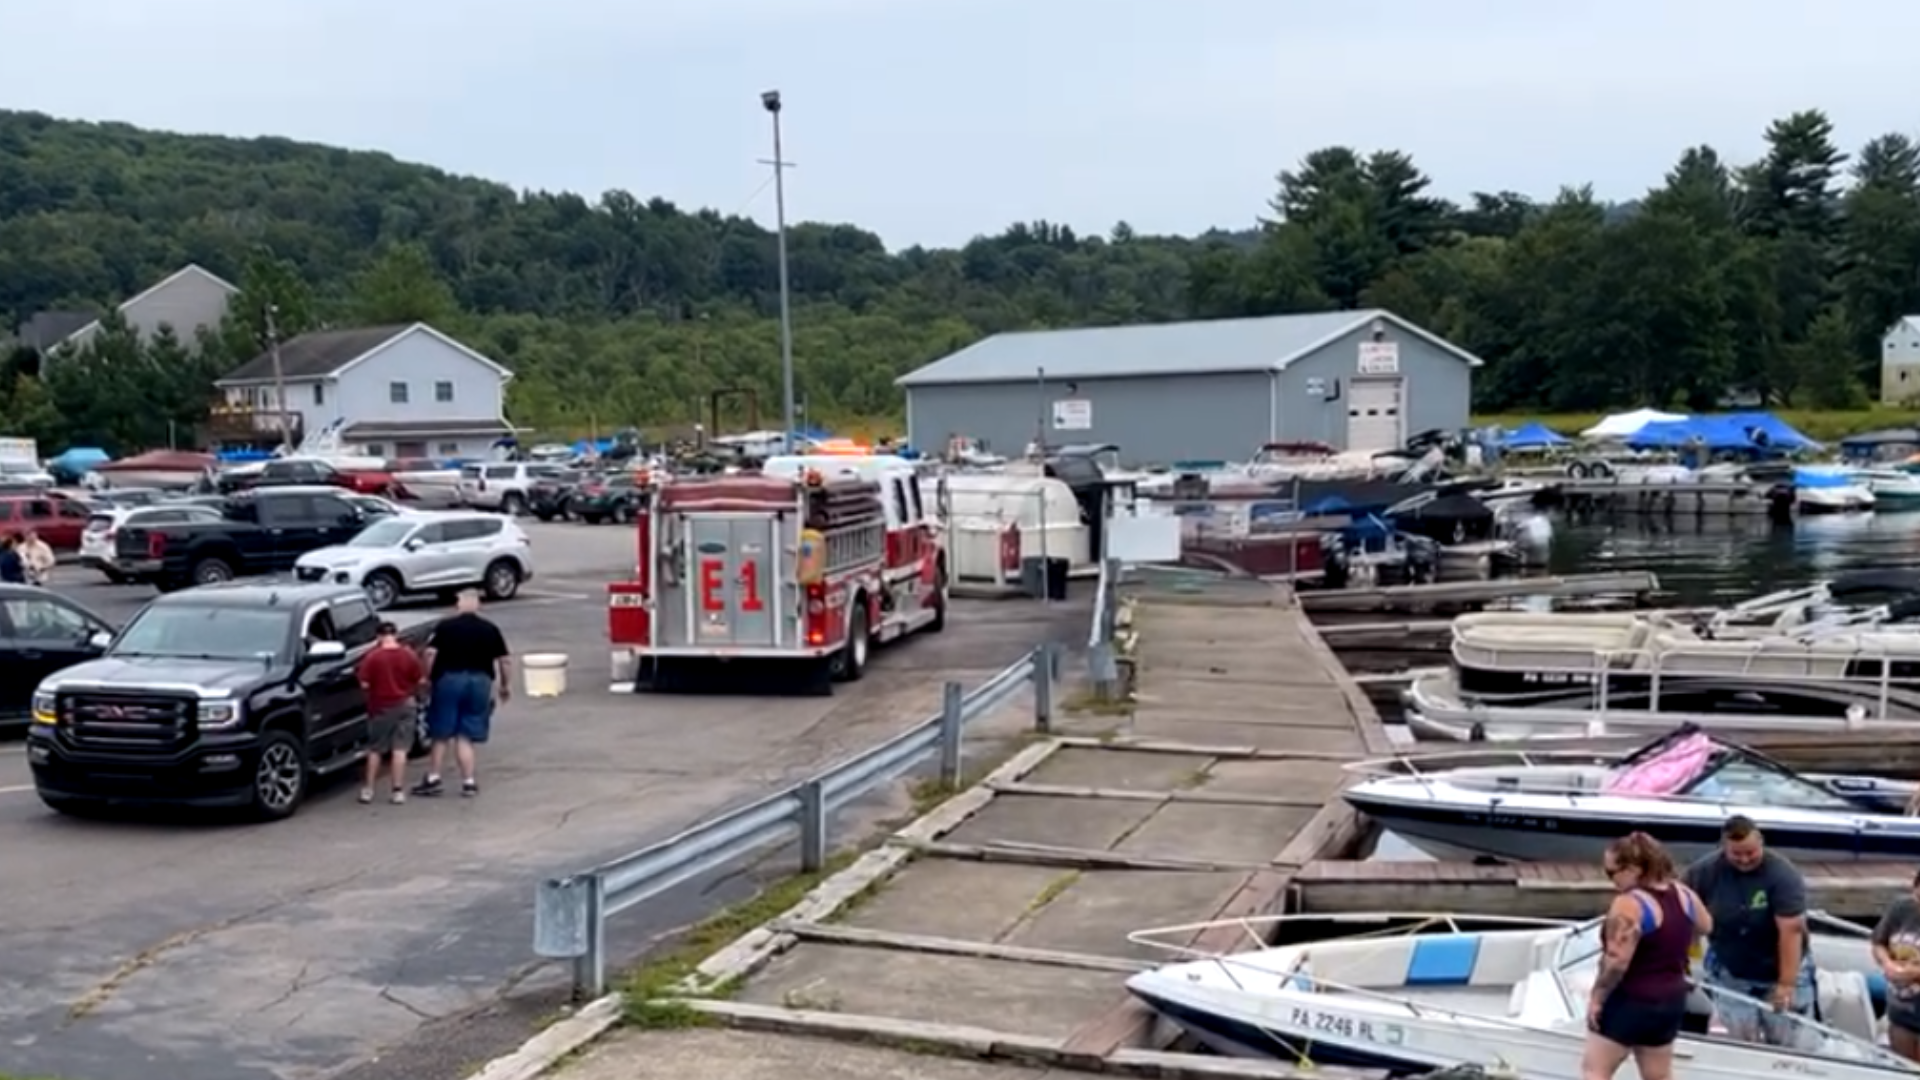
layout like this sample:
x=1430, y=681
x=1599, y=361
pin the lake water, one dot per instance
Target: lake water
x=1717, y=561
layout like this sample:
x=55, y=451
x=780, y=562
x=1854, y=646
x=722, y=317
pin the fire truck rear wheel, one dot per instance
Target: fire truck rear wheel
x=940, y=598
x=852, y=662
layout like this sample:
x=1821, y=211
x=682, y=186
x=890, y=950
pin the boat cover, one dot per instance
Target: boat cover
x=1665, y=772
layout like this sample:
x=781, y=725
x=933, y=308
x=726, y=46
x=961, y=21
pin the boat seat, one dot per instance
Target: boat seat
x=1846, y=1003
x=1443, y=959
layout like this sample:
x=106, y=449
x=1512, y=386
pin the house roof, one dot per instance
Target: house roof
x=327, y=354
x=45, y=329
x=1214, y=346
x=400, y=429
x=189, y=270
x=1909, y=324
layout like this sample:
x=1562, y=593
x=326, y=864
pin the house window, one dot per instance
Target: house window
x=319, y=393
x=443, y=391
x=449, y=449
x=375, y=449
x=397, y=393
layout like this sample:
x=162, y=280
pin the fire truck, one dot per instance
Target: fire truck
x=812, y=560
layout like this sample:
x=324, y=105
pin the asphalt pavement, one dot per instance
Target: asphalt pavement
x=381, y=941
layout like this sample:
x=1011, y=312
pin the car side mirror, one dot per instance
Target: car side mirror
x=414, y=544
x=326, y=650
x=99, y=639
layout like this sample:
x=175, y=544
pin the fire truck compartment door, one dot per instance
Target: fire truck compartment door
x=735, y=583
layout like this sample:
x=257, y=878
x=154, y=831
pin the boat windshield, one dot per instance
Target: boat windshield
x=1738, y=780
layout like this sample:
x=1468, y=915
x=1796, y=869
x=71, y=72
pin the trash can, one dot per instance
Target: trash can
x=545, y=674
x=1057, y=570
x=1033, y=576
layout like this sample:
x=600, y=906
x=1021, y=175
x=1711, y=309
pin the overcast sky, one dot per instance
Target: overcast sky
x=930, y=121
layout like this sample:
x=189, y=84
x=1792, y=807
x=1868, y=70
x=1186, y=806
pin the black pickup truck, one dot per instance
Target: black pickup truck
x=234, y=695
x=259, y=532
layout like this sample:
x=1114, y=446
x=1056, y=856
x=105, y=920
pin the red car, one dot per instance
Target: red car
x=58, y=519
x=310, y=471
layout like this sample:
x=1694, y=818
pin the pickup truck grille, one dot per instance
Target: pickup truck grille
x=132, y=721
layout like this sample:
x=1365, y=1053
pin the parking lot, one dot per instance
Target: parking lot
x=136, y=949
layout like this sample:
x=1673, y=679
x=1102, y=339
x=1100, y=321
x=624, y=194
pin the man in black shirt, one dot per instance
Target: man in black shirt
x=12, y=570
x=471, y=670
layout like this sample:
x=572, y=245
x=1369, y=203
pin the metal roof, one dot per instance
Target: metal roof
x=1216, y=346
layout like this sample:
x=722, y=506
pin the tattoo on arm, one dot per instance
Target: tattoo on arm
x=1621, y=935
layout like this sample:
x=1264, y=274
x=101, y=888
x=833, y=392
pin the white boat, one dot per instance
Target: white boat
x=1419, y=993
x=1679, y=788
x=1829, y=491
x=1891, y=488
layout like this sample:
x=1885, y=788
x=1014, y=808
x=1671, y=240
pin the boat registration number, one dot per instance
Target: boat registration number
x=1321, y=1023
x=1528, y=822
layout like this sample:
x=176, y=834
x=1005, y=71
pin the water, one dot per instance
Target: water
x=1723, y=560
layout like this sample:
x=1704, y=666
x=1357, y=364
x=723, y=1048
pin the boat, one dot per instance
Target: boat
x=1830, y=491
x=1891, y=489
x=157, y=469
x=1679, y=788
x=1412, y=993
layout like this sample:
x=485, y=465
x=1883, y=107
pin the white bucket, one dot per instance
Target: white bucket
x=546, y=674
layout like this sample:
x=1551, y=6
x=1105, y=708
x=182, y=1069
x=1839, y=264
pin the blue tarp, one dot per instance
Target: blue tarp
x=1779, y=434
x=1820, y=478
x=1711, y=432
x=1532, y=435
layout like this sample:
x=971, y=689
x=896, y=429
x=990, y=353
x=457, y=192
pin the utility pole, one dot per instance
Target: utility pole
x=279, y=378
x=770, y=100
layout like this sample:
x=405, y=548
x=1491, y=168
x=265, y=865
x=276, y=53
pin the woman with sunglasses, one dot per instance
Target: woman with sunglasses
x=1639, y=997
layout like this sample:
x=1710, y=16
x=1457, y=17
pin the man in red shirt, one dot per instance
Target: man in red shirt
x=392, y=676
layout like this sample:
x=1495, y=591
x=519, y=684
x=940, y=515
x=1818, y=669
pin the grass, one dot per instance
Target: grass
x=656, y=990
x=1089, y=703
x=1820, y=424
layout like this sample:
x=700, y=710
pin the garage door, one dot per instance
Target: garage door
x=1373, y=415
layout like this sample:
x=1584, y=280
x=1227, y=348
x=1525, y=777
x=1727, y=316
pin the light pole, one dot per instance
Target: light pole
x=770, y=100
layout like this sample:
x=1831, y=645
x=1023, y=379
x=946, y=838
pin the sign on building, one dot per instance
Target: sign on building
x=1379, y=358
x=1073, y=414
x=1316, y=387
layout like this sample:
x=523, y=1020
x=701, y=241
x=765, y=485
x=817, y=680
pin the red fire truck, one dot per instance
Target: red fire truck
x=793, y=563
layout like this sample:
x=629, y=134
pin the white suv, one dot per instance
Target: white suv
x=99, y=545
x=502, y=485
x=427, y=553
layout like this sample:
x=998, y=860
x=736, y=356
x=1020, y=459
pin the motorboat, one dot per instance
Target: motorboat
x=1417, y=993
x=156, y=469
x=1891, y=489
x=1680, y=788
x=1879, y=597
x=1830, y=491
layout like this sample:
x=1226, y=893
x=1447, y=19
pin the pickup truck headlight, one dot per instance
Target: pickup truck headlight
x=219, y=714
x=45, y=708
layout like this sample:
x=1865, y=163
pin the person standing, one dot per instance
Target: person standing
x=1896, y=948
x=12, y=570
x=392, y=677
x=1758, y=948
x=36, y=559
x=472, y=672
x=1639, y=998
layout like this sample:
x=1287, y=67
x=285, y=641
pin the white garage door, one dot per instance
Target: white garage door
x=1373, y=415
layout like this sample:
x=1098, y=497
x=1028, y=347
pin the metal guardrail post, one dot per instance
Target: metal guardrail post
x=813, y=825
x=953, y=728
x=1046, y=665
x=590, y=968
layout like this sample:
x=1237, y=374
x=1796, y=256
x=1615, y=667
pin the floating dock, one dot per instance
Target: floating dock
x=1673, y=498
x=1448, y=595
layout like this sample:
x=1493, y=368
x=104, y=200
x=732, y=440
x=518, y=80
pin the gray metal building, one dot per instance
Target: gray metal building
x=1213, y=390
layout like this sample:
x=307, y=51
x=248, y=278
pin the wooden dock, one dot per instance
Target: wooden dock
x=995, y=927
x=1460, y=594
x=1704, y=498
x=1855, y=890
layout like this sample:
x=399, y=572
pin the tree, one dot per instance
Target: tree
x=402, y=286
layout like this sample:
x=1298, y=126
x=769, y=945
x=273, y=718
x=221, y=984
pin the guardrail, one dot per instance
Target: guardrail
x=570, y=913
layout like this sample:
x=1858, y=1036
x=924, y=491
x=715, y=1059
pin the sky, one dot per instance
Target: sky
x=933, y=121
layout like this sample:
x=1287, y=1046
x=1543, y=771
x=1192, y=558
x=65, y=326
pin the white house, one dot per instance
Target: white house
x=394, y=391
x=1900, y=362
x=188, y=300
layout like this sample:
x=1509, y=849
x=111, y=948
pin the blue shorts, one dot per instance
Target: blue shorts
x=1752, y=1022
x=462, y=707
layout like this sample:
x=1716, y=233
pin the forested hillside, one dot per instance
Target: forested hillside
x=1775, y=276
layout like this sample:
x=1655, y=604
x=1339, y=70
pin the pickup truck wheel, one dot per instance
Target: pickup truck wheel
x=513, y=504
x=422, y=735
x=382, y=589
x=622, y=513
x=211, y=572
x=503, y=580
x=279, y=777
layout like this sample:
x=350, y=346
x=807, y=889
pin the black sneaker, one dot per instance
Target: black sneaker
x=429, y=786
x=469, y=789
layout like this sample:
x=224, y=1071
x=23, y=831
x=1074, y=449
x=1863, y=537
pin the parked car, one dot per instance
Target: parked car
x=502, y=485
x=609, y=497
x=548, y=496
x=297, y=472
x=258, y=532
x=99, y=543
x=59, y=520
x=41, y=632
x=234, y=695
x=427, y=553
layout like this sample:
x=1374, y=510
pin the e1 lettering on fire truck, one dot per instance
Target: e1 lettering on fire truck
x=813, y=560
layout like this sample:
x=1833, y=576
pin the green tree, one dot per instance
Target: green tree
x=403, y=286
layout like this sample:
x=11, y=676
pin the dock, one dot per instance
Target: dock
x=995, y=926
x=1450, y=595
x=1675, y=497
x=1855, y=890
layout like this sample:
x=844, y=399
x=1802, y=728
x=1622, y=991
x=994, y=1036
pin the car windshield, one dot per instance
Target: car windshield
x=382, y=534
x=205, y=632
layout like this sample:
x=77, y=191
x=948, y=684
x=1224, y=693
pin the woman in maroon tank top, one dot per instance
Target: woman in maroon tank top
x=1639, y=998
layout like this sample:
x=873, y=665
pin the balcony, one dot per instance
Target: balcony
x=245, y=423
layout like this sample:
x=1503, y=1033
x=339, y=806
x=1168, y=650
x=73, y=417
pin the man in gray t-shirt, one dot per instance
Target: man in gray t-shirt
x=1896, y=948
x=1758, y=947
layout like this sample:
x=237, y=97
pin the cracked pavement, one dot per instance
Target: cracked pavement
x=352, y=936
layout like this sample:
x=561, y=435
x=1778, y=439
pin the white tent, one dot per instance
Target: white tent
x=1622, y=425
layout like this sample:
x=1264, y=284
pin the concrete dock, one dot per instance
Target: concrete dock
x=995, y=927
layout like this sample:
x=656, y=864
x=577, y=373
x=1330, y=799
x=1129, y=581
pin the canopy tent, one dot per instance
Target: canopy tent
x=1777, y=433
x=1532, y=435
x=1708, y=432
x=1622, y=425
